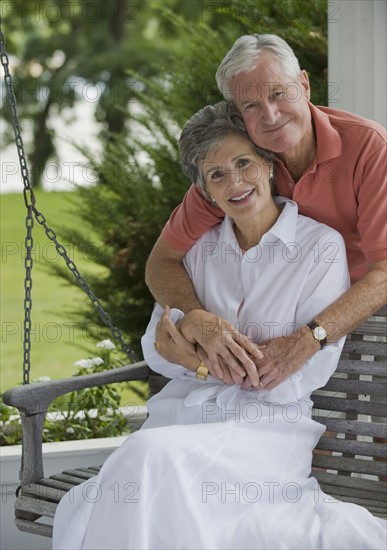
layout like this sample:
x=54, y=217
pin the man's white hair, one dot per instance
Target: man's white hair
x=244, y=55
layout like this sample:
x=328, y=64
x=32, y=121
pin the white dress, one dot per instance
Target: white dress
x=216, y=467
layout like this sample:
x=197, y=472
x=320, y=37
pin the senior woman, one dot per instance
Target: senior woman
x=220, y=462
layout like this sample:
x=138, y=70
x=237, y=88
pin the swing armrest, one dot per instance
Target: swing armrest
x=32, y=401
x=35, y=398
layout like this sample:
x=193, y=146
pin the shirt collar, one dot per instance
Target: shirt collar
x=328, y=139
x=284, y=228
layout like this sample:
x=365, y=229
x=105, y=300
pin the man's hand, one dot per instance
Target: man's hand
x=284, y=356
x=223, y=345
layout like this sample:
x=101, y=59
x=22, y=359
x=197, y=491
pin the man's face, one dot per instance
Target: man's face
x=274, y=106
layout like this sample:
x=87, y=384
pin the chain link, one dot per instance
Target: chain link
x=30, y=201
x=28, y=262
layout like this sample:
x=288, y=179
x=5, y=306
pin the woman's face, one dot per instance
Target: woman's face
x=237, y=178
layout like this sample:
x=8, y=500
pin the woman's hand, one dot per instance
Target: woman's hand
x=172, y=345
x=222, y=371
x=223, y=344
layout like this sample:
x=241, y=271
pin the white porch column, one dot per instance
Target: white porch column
x=357, y=57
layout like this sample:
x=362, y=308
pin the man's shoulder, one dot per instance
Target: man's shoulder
x=344, y=120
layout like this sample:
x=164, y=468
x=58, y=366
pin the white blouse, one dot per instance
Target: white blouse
x=298, y=268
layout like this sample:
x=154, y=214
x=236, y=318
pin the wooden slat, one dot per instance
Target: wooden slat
x=374, y=368
x=359, y=466
x=43, y=492
x=340, y=425
x=362, y=448
x=79, y=473
x=55, y=484
x=371, y=328
x=361, y=501
x=36, y=506
x=372, y=499
x=68, y=479
x=377, y=349
x=327, y=479
x=330, y=403
x=371, y=506
x=90, y=469
x=358, y=387
x=382, y=312
x=34, y=527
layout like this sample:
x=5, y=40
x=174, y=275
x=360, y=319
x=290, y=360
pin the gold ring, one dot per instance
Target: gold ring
x=157, y=345
x=202, y=371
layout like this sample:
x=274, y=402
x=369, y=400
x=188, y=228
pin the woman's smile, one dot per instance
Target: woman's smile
x=242, y=197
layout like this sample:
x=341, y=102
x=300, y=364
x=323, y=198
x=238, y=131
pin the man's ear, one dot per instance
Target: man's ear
x=305, y=84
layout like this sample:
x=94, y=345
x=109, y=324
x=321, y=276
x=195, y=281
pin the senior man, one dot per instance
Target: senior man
x=333, y=164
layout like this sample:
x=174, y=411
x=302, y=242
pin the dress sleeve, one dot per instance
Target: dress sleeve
x=154, y=359
x=190, y=220
x=327, y=281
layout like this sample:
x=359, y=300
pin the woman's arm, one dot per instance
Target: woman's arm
x=171, y=285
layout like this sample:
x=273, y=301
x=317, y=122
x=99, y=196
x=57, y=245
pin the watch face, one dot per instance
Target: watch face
x=320, y=333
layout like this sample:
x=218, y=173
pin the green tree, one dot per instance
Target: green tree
x=140, y=180
x=63, y=51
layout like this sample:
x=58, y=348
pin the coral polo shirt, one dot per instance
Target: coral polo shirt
x=345, y=188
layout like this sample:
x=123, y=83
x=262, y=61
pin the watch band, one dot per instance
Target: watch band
x=319, y=333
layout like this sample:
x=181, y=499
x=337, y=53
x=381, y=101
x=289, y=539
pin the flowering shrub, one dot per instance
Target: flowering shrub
x=84, y=414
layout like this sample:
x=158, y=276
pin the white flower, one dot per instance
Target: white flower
x=70, y=430
x=42, y=379
x=106, y=344
x=84, y=363
x=88, y=363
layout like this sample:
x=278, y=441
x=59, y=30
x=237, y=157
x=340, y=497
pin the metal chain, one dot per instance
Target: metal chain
x=50, y=233
x=30, y=200
x=29, y=243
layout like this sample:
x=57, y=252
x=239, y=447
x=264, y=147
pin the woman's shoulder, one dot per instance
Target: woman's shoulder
x=308, y=227
x=205, y=247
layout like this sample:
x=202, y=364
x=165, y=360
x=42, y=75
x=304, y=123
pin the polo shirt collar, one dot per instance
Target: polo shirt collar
x=328, y=139
x=284, y=228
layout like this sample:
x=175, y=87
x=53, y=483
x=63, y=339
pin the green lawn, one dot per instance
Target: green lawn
x=56, y=342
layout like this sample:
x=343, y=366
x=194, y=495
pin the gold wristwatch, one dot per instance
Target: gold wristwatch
x=319, y=333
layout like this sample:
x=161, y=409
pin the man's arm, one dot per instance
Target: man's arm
x=168, y=279
x=285, y=356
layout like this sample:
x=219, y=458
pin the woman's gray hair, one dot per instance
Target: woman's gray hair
x=205, y=130
x=244, y=55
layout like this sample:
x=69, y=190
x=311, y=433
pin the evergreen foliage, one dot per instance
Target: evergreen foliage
x=139, y=179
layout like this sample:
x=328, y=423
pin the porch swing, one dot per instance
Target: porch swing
x=348, y=405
